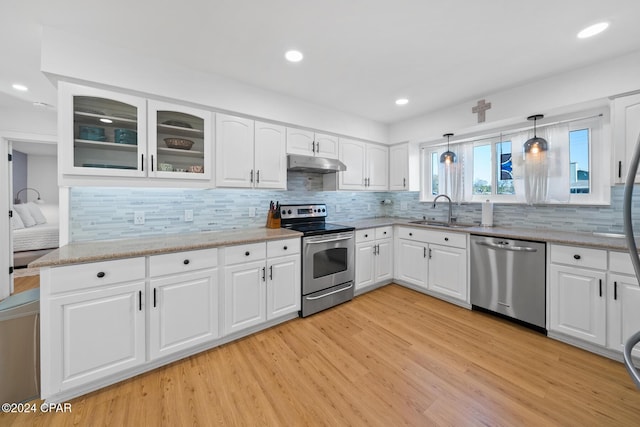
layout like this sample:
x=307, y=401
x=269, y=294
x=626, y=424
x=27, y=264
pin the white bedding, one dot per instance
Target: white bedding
x=43, y=236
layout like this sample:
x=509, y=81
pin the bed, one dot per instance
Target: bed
x=35, y=232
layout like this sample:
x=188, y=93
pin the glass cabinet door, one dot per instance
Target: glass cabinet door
x=179, y=141
x=108, y=133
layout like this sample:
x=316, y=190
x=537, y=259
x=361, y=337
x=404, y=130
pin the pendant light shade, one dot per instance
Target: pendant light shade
x=536, y=144
x=448, y=156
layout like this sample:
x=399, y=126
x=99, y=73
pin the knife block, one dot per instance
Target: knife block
x=272, y=221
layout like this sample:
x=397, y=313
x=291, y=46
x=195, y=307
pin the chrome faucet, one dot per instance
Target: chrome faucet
x=449, y=200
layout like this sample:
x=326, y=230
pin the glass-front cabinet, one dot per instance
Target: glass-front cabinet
x=110, y=134
x=179, y=140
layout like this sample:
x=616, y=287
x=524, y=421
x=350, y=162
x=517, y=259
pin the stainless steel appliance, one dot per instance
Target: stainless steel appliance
x=508, y=277
x=20, y=347
x=328, y=257
x=634, y=339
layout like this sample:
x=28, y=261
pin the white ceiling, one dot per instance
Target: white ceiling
x=360, y=55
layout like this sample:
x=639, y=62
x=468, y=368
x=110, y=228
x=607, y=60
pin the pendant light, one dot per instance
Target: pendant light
x=448, y=156
x=535, y=145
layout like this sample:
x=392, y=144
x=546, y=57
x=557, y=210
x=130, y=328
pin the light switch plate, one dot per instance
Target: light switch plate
x=404, y=206
x=252, y=212
x=188, y=215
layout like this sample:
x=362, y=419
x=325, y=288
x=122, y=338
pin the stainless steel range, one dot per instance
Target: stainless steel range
x=327, y=257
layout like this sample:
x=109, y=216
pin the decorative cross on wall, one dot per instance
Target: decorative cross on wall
x=480, y=109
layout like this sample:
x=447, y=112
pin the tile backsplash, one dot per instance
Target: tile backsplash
x=107, y=213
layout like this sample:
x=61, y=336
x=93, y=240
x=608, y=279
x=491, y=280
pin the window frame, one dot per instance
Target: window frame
x=598, y=123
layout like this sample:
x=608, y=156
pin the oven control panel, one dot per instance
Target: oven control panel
x=302, y=211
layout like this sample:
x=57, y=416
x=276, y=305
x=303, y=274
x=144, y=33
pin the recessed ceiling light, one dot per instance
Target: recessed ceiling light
x=402, y=101
x=20, y=87
x=294, y=56
x=593, y=30
x=103, y=120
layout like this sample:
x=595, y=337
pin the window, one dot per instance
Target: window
x=579, y=158
x=493, y=166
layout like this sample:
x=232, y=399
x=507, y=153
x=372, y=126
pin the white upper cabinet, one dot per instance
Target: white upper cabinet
x=234, y=152
x=367, y=166
x=104, y=134
x=180, y=143
x=101, y=132
x=270, y=156
x=249, y=154
x=308, y=143
x=404, y=167
x=626, y=130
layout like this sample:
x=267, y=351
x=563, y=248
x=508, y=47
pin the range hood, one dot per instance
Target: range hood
x=297, y=162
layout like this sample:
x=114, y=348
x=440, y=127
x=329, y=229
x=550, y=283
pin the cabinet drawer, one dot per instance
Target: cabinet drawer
x=180, y=262
x=365, y=235
x=384, y=232
x=620, y=262
x=413, y=233
x=583, y=257
x=447, y=238
x=85, y=276
x=283, y=247
x=245, y=253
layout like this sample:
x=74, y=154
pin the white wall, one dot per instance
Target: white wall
x=575, y=90
x=122, y=68
x=43, y=176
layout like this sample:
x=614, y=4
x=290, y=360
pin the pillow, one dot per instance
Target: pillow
x=36, y=213
x=25, y=216
x=16, y=222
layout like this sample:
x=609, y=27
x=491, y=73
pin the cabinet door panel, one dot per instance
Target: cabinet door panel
x=364, y=264
x=234, y=151
x=326, y=146
x=184, y=311
x=623, y=316
x=378, y=167
x=384, y=260
x=299, y=142
x=270, y=156
x=245, y=296
x=577, y=309
x=283, y=294
x=399, y=167
x=96, y=334
x=352, y=154
x=626, y=127
x=411, y=262
x=448, y=271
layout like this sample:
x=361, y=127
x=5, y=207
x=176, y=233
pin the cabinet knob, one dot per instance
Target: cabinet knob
x=410, y=234
x=247, y=253
x=366, y=235
x=576, y=256
x=101, y=274
x=285, y=248
x=446, y=239
x=185, y=262
x=384, y=232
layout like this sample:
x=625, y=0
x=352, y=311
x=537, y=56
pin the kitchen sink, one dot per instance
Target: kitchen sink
x=441, y=224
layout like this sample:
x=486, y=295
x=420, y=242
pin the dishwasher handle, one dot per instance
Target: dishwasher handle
x=507, y=248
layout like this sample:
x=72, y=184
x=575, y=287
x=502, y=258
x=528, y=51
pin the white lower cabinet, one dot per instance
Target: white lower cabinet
x=182, y=300
x=433, y=260
x=93, y=322
x=578, y=304
x=623, y=300
x=374, y=256
x=248, y=274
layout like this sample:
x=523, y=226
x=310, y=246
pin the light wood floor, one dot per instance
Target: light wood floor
x=390, y=357
x=21, y=284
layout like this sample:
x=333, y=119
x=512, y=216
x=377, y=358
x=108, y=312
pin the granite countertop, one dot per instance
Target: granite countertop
x=544, y=235
x=76, y=253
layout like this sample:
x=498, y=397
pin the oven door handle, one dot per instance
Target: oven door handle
x=329, y=240
x=329, y=293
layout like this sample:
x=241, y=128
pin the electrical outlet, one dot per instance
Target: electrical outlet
x=404, y=206
x=138, y=217
x=252, y=212
x=188, y=215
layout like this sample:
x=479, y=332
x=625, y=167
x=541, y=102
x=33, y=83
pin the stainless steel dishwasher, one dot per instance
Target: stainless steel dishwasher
x=508, y=277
